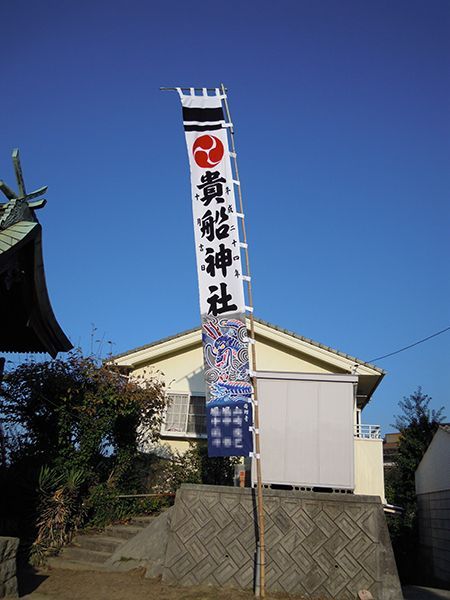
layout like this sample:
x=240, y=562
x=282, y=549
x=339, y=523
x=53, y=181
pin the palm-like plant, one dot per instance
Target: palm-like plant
x=61, y=511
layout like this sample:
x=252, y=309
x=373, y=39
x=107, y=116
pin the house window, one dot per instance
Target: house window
x=185, y=416
x=197, y=415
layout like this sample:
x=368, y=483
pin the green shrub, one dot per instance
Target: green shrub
x=104, y=506
x=67, y=424
x=194, y=466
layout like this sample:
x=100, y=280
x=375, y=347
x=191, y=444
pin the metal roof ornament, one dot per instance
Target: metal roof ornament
x=20, y=206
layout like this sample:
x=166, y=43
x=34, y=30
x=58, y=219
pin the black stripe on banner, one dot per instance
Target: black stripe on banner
x=202, y=114
x=202, y=127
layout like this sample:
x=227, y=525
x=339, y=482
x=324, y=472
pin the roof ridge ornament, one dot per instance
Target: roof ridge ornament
x=19, y=206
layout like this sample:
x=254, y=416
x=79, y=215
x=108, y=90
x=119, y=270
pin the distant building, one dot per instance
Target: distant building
x=433, y=500
x=390, y=448
x=180, y=359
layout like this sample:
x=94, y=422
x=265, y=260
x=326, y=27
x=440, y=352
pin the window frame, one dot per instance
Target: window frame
x=183, y=434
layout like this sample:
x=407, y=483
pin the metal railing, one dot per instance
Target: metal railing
x=368, y=432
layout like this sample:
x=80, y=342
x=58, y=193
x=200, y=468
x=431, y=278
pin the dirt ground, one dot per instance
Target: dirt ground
x=58, y=584
x=96, y=585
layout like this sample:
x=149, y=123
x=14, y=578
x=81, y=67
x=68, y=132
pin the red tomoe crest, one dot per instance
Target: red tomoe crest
x=208, y=151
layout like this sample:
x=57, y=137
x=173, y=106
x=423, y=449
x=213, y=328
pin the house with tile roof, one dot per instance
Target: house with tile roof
x=179, y=361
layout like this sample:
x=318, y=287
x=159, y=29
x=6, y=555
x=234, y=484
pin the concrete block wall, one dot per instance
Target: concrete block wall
x=327, y=546
x=8, y=557
x=434, y=536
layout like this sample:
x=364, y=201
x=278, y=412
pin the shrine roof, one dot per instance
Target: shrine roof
x=27, y=320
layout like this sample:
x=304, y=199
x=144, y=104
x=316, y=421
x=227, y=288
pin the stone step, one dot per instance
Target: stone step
x=94, y=557
x=100, y=543
x=124, y=532
x=142, y=521
x=91, y=550
x=58, y=562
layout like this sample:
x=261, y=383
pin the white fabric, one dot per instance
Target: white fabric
x=219, y=167
x=203, y=123
x=190, y=101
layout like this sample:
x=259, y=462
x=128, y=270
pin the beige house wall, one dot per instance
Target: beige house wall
x=274, y=357
x=177, y=446
x=369, y=474
x=178, y=362
x=180, y=371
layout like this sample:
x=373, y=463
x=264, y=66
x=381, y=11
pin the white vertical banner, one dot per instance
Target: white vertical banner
x=214, y=206
x=220, y=276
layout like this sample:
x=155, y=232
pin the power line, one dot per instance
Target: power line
x=411, y=345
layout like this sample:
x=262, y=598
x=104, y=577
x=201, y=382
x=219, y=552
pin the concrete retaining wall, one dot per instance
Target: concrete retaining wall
x=319, y=545
x=146, y=549
x=434, y=535
x=8, y=555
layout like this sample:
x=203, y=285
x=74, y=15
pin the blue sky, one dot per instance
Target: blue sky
x=342, y=124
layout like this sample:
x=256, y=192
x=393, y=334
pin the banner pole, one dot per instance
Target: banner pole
x=261, y=550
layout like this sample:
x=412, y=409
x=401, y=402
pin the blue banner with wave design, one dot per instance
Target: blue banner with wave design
x=229, y=390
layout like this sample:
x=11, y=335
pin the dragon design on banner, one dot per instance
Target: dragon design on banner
x=229, y=390
x=226, y=360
